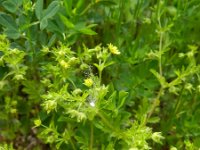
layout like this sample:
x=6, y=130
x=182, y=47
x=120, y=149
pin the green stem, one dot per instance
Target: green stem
x=100, y=75
x=72, y=144
x=10, y=73
x=91, y=136
x=161, y=39
x=155, y=104
x=160, y=54
x=118, y=26
x=100, y=69
x=173, y=113
x=72, y=83
x=178, y=102
x=156, y=100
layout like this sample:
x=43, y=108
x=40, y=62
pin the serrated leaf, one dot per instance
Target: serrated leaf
x=39, y=9
x=12, y=5
x=160, y=78
x=7, y=21
x=111, y=102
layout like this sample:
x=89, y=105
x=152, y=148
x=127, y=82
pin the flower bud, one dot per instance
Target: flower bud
x=64, y=64
x=157, y=137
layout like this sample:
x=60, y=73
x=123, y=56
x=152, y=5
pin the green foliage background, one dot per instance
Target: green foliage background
x=62, y=87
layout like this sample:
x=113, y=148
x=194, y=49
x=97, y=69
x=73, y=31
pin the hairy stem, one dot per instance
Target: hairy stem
x=155, y=103
x=160, y=53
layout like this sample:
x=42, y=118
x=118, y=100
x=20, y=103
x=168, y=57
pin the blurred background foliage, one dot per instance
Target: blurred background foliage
x=159, y=45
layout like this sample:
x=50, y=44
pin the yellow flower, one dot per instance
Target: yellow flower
x=61, y=52
x=37, y=122
x=113, y=49
x=88, y=82
x=64, y=64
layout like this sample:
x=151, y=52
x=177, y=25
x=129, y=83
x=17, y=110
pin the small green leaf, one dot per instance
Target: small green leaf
x=12, y=33
x=39, y=9
x=109, y=63
x=68, y=7
x=153, y=120
x=87, y=31
x=42, y=38
x=59, y=144
x=79, y=5
x=99, y=67
x=66, y=21
x=160, y=78
x=12, y=5
x=53, y=27
x=91, y=25
x=51, y=10
x=43, y=24
x=111, y=102
x=122, y=97
x=52, y=40
x=9, y=6
x=7, y=21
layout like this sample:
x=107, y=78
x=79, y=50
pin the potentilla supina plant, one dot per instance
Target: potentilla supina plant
x=94, y=103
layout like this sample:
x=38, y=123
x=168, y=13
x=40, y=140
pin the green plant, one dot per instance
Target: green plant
x=6, y=147
x=82, y=97
x=20, y=20
x=93, y=110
